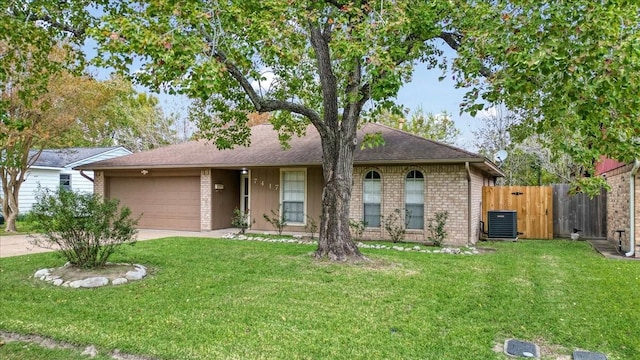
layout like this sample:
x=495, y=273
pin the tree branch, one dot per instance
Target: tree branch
x=77, y=32
x=452, y=39
x=23, y=16
x=258, y=101
x=365, y=89
x=455, y=41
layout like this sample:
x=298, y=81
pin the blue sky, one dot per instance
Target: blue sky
x=434, y=96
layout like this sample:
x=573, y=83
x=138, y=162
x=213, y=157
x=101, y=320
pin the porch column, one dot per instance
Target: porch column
x=98, y=183
x=205, y=200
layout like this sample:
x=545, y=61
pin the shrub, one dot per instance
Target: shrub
x=85, y=228
x=437, y=233
x=357, y=226
x=240, y=220
x=394, y=225
x=311, y=227
x=276, y=221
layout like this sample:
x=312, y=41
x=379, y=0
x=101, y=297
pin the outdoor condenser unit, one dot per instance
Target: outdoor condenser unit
x=503, y=224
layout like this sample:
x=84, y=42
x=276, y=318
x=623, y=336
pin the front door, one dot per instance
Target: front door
x=244, y=195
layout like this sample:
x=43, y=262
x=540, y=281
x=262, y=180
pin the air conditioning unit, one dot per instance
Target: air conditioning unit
x=503, y=224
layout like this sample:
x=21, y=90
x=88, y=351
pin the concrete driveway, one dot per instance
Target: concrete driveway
x=15, y=245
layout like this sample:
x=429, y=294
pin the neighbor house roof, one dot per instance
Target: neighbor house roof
x=60, y=158
x=265, y=150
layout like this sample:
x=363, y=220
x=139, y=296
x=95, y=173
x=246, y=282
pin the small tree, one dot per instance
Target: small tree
x=85, y=228
x=278, y=222
x=240, y=220
x=358, y=227
x=311, y=227
x=437, y=233
x=394, y=225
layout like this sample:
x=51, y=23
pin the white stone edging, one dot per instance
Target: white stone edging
x=297, y=239
x=138, y=273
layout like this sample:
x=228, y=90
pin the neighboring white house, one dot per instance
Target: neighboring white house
x=54, y=168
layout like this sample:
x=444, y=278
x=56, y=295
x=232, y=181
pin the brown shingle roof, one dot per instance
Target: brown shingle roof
x=265, y=150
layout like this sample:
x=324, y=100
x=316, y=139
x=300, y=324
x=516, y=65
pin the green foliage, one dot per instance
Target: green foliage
x=571, y=70
x=86, y=229
x=23, y=226
x=529, y=161
x=372, y=140
x=437, y=127
x=311, y=227
x=32, y=52
x=118, y=114
x=357, y=226
x=436, y=227
x=218, y=52
x=240, y=220
x=394, y=225
x=278, y=222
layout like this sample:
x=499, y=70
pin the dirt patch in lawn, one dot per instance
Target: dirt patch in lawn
x=110, y=271
x=49, y=343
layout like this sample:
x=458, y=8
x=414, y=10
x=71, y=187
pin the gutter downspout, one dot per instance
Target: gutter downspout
x=632, y=209
x=466, y=165
x=86, y=176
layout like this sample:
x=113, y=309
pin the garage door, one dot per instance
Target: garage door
x=164, y=202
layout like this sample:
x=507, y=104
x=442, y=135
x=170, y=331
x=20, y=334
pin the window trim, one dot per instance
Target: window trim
x=306, y=196
x=70, y=188
x=364, y=179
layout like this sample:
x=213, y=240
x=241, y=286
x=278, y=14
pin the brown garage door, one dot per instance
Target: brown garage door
x=164, y=202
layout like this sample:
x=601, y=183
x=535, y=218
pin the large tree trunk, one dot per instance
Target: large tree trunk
x=335, y=240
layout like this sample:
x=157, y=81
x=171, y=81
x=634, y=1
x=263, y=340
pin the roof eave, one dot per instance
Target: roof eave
x=492, y=168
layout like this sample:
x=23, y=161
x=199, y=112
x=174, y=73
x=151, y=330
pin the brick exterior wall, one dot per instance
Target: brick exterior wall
x=205, y=200
x=99, y=184
x=618, y=207
x=477, y=182
x=445, y=190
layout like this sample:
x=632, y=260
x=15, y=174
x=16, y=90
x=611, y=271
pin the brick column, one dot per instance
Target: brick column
x=205, y=200
x=98, y=183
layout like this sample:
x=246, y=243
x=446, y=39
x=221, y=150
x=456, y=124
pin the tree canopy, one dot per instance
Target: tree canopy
x=111, y=112
x=438, y=127
x=569, y=69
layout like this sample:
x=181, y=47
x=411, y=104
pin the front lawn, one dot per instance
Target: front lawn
x=23, y=227
x=226, y=299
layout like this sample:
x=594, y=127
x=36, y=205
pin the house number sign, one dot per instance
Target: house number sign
x=271, y=186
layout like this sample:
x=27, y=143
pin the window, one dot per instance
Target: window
x=414, y=200
x=293, y=192
x=371, y=199
x=65, y=182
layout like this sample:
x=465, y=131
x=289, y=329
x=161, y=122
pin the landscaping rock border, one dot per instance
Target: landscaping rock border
x=47, y=274
x=298, y=239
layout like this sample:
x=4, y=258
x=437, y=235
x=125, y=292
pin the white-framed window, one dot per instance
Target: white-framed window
x=372, y=194
x=65, y=182
x=293, y=195
x=414, y=200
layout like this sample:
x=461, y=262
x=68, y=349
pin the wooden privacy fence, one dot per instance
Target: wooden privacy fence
x=533, y=204
x=545, y=212
x=579, y=212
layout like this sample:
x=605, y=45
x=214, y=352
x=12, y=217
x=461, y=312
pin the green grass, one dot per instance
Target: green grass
x=224, y=299
x=24, y=227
